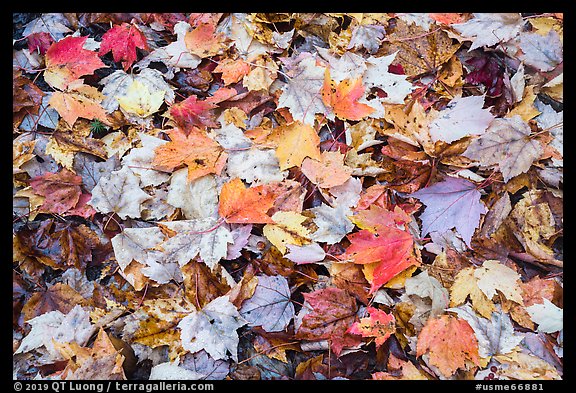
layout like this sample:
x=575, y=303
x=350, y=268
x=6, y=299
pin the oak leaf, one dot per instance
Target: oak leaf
x=450, y=342
x=199, y=153
x=123, y=40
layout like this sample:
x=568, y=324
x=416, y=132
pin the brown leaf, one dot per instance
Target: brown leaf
x=59, y=297
x=201, y=284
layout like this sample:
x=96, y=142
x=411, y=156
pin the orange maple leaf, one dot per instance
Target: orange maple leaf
x=450, y=342
x=232, y=70
x=241, y=205
x=199, y=153
x=379, y=325
x=203, y=41
x=71, y=106
x=343, y=99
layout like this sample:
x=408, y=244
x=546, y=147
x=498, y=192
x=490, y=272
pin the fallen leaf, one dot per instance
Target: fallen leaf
x=119, y=193
x=503, y=27
x=547, y=315
x=213, y=329
x=242, y=205
x=450, y=342
x=462, y=117
x=270, y=305
x=199, y=153
x=286, y=229
x=296, y=141
x=512, y=151
x=378, y=324
x=67, y=61
x=123, y=41
x=330, y=171
x=343, y=98
x=61, y=190
x=451, y=203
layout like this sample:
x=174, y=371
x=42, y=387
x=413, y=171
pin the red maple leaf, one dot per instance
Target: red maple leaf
x=67, y=60
x=61, y=190
x=193, y=113
x=379, y=325
x=392, y=249
x=123, y=40
x=39, y=41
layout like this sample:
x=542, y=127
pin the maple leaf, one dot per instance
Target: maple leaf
x=192, y=113
x=450, y=342
x=56, y=326
x=232, y=70
x=343, y=98
x=406, y=368
x=463, y=116
x=204, y=237
x=204, y=41
x=296, y=141
x=71, y=106
x=493, y=276
x=213, y=329
x=140, y=161
x=286, y=229
x=495, y=335
x=307, y=253
x=376, y=219
x=330, y=171
x=136, y=244
x=331, y=312
x=377, y=75
x=123, y=40
x=119, y=193
x=487, y=29
x=139, y=100
x=548, y=316
x=270, y=305
x=199, y=153
x=301, y=94
x=391, y=250
x=202, y=283
x=61, y=190
x=58, y=297
x=259, y=166
x=464, y=285
x=67, y=61
x=451, y=203
x=332, y=222
x=508, y=145
x=242, y=205
x=378, y=324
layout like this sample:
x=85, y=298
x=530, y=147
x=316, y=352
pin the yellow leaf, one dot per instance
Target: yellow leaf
x=287, y=229
x=296, y=141
x=465, y=284
x=526, y=109
x=140, y=101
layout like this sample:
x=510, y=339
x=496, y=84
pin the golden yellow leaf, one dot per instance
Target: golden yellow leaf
x=465, y=284
x=296, y=141
x=140, y=101
x=287, y=229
